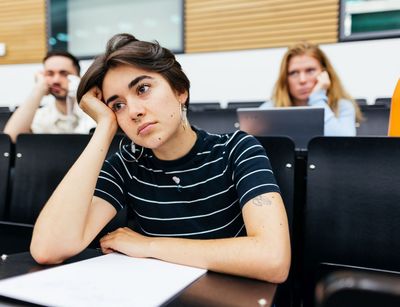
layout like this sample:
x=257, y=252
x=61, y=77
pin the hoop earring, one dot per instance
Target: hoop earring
x=133, y=149
x=184, y=120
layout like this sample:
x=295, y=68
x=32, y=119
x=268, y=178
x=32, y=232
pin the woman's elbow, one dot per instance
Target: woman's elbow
x=276, y=266
x=42, y=256
x=47, y=254
x=276, y=272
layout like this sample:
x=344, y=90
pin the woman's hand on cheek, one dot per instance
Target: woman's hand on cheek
x=92, y=104
x=126, y=241
x=323, y=82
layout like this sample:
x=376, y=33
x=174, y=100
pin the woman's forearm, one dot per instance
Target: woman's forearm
x=60, y=228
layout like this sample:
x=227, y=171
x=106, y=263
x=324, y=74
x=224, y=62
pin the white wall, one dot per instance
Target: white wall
x=368, y=69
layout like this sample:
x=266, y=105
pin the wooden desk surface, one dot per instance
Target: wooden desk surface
x=212, y=289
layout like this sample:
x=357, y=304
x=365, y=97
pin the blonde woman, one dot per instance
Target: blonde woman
x=307, y=78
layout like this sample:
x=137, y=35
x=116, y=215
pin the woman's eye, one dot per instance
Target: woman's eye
x=117, y=106
x=143, y=89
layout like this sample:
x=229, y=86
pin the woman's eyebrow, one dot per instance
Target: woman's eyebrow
x=130, y=85
x=137, y=80
x=111, y=99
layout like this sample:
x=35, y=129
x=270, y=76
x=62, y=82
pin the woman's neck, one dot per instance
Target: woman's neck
x=178, y=146
x=300, y=103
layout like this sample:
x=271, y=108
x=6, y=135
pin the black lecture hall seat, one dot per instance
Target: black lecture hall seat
x=244, y=104
x=204, y=106
x=214, y=121
x=5, y=114
x=375, y=122
x=281, y=153
x=5, y=163
x=361, y=101
x=357, y=287
x=14, y=237
x=383, y=101
x=41, y=162
x=352, y=210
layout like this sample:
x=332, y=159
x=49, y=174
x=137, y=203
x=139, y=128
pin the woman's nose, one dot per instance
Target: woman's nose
x=302, y=77
x=136, y=109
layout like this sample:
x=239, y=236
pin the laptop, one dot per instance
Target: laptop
x=301, y=124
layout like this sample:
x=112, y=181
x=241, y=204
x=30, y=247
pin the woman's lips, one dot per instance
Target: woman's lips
x=145, y=128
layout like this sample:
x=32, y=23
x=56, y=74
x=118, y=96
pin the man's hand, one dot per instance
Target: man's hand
x=41, y=84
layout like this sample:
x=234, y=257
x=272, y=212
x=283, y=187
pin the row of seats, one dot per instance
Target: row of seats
x=375, y=123
x=196, y=106
x=380, y=101
x=215, y=119
x=200, y=106
x=342, y=200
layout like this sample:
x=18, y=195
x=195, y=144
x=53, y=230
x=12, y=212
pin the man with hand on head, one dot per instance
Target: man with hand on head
x=59, y=78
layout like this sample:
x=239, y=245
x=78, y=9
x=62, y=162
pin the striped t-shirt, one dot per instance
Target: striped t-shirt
x=200, y=195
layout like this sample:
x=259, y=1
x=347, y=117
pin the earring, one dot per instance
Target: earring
x=184, y=119
x=133, y=150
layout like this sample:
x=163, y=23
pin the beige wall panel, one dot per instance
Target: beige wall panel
x=217, y=25
x=23, y=30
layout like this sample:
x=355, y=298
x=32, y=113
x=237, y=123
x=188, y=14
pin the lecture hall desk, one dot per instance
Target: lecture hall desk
x=212, y=289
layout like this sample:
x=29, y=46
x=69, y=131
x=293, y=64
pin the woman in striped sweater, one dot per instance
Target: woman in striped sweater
x=200, y=199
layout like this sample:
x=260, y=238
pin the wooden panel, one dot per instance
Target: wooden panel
x=216, y=25
x=23, y=30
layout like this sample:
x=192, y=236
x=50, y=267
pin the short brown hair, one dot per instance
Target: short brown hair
x=75, y=61
x=125, y=49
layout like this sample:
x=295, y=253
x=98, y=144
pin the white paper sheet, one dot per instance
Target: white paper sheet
x=109, y=280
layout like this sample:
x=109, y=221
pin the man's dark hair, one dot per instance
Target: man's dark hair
x=66, y=54
x=125, y=49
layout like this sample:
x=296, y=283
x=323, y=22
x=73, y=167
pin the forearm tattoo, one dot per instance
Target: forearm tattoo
x=262, y=200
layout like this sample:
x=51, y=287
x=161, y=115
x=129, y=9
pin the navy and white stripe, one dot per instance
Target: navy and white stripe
x=217, y=178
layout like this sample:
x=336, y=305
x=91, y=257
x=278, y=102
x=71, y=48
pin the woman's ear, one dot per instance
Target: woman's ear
x=182, y=97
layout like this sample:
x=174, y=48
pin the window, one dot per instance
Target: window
x=83, y=27
x=369, y=19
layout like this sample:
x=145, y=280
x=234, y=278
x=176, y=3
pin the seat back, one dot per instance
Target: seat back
x=358, y=287
x=5, y=114
x=204, y=106
x=42, y=160
x=375, y=122
x=244, y=104
x=5, y=160
x=214, y=121
x=281, y=153
x=15, y=237
x=352, y=208
x=385, y=101
x=361, y=101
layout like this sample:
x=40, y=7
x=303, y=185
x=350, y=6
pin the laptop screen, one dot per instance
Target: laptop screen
x=299, y=123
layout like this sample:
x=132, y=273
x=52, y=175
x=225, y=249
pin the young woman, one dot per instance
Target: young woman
x=307, y=78
x=200, y=199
